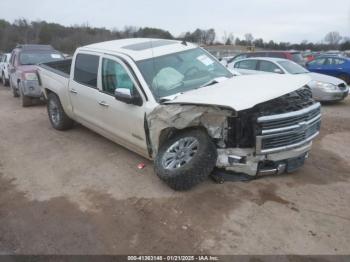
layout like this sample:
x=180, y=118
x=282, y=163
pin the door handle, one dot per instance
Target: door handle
x=103, y=103
x=73, y=91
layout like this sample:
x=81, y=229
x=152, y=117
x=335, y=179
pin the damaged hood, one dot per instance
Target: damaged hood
x=243, y=92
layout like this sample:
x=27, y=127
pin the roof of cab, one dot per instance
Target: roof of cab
x=271, y=59
x=140, y=48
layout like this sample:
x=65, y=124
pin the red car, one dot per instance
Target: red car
x=22, y=69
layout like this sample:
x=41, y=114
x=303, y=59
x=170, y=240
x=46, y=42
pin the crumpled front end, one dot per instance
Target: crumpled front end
x=270, y=138
x=273, y=137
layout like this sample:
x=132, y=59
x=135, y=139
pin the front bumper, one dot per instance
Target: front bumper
x=324, y=96
x=246, y=161
x=282, y=143
x=31, y=88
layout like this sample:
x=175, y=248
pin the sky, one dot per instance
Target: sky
x=278, y=20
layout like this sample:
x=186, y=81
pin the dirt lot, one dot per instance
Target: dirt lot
x=75, y=192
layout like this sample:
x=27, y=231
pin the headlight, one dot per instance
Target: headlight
x=30, y=76
x=325, y=86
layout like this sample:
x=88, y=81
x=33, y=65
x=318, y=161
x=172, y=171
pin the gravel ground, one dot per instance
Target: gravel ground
x=75, y=192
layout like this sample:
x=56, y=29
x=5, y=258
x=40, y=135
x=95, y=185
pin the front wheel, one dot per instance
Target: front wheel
x=58, y=118
x=4, y=81
x=186, y=159
x=14, y=90
x=25, y=100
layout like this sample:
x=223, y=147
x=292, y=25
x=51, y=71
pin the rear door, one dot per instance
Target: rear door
x=83, y=90
x=336, y=66
x=124, y=122
x=328, y=67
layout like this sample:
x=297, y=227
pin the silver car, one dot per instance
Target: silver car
x=324, y=87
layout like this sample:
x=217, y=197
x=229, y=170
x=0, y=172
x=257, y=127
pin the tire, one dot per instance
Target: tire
x=345, y=78
x=184, y=176
x=14, y=91
x=58, y=118
x=25, y=100
x=4, y=81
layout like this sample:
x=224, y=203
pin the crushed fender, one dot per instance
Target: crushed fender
x=179, y=116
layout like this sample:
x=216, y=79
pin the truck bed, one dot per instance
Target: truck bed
x=54, y=76
x=59, y=67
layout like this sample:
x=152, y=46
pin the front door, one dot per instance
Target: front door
x=123, y=121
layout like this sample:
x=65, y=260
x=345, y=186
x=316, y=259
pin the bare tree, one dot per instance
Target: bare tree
x=249, y=38
x=333, y=38
x=210, y=36
x=228, y=39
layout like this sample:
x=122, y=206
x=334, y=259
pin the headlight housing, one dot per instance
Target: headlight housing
x=328, y=87
x=30, y=76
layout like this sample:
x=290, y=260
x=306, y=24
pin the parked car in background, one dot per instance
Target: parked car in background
x=175, y=103
x=331, y=65
x=308, y=56
x=23, y=75
x=224, y=60
x=4, y=72
x=324, y=88
x=291, y=55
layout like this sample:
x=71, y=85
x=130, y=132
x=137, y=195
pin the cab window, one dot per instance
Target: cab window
x=114, y=76
x=86, y=68
x=246, y=64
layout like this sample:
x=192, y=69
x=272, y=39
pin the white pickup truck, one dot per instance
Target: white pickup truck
x=174, y=103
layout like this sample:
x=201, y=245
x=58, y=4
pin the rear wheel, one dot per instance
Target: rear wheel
x=58, y=118
x=186, y=159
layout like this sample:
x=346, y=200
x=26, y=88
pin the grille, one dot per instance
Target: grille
x=283, y=121
x=285, y=131
x=342, y=86
x=289, y=139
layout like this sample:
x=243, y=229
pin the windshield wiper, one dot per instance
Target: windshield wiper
x=213, y=81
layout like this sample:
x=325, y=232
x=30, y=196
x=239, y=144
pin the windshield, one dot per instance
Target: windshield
x=180, y=72
x=292, y=67
x=37, y=57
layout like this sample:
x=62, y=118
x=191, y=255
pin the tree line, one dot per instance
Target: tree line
x=68, y=38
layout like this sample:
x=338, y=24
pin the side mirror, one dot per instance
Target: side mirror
x=278, y=71
x=124, y=95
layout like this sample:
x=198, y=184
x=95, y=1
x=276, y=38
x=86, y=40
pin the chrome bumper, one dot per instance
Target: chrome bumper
x=31, y=88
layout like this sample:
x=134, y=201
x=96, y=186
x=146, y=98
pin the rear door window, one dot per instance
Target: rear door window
x=267, y=66
x=86, y=68
x=247, y=64
x=337, y=61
